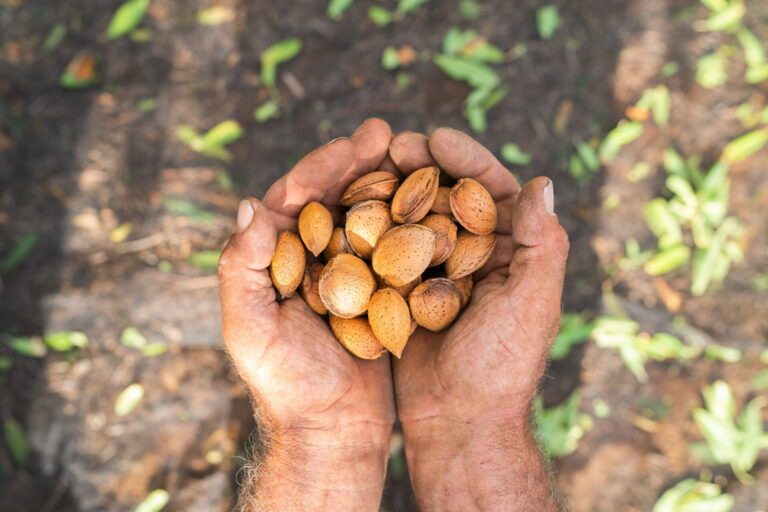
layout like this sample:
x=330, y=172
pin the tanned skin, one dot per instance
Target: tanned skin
x=463, y=395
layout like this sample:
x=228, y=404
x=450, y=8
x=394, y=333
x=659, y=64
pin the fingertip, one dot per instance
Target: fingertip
x=534, y=220
x=254, y=242
x=410, y=151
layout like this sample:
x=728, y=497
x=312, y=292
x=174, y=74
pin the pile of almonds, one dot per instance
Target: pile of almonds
x=399, y=261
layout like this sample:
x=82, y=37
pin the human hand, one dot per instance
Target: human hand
x=464, y=395
x=326, y=415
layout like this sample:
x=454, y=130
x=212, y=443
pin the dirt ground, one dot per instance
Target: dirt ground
x=74, y=165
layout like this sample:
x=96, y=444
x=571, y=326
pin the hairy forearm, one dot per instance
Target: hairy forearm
x=491, y=463
x=340, y=468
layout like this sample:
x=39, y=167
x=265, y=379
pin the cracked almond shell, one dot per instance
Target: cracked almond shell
x=366, y=222
x=404, y=253
x=471, y=252
x=473, y=207
x=435, y=303
x=390, y=319
x=346, y=286
x=288, y=262
x=338, y=244
x=315, y=227
x=310, y=287
x=356, y=335
x=465, y=285
x=442, y=202
x=446, y=236
x=374, y=185
x=415, y=197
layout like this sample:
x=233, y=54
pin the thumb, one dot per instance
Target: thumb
x=537, y=269
x=248, y=305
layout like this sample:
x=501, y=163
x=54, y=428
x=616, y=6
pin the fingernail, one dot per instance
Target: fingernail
x=334, y=140
x=244, y=215
x=549, y=198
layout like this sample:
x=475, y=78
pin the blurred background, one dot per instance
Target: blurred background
x=129, y=131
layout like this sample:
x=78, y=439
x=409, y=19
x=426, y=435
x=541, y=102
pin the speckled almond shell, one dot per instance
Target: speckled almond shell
x=403, y=253
x=366, y=222
x=310, y=287
x=374, y=185
x=390, y=320
x=288, y=262
x=338, y=244
x=473, y=207
x=435, y=303
x=315, y=227
x=446, y=236
x=356, y=335
x=471, y=253
x=442, y=202
x=465, y=285
x=415, y=197
x=346, y=286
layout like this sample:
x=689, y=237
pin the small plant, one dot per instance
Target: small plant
x=573, y=331
x=279, y=53
x=691, y=495
x=636, y=347
x=728, y=439
x=127, y=17
x=212, y=142
x=466, y=57
x=511, y=153
x=561, y=427
x=547, y=21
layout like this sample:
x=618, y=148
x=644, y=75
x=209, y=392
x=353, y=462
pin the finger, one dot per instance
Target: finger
x=461, y=156
x=247, y=297
x=538, y=266
x=371, y=142
x=410, y=151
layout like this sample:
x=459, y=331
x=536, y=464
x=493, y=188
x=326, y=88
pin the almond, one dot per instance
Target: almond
x=446, y=236
x=473, y=206
x=402, y=290
x=315, y=227
x=442, y=202
x=374, y=185
x=435, y=303
x=403, y=253
x=390, y=320
x=415, y=197
x=471, y=253
x=310, y=287
x=465, y=285
x=356, y=335
x=288, y=261
x=366, y=222
x=338, y=244
x=346, y=286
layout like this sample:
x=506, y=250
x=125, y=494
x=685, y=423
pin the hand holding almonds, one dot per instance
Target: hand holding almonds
x=393, y=265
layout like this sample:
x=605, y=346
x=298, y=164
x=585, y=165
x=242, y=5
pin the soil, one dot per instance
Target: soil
x=74, y=165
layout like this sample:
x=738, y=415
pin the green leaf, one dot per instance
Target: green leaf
x=390, y=59
x=723, y=353
x=55, y=37
x=624, y=133
x=204, y=259
x=467, y=70
x=380, y=16
x=128, y=399
x=716, y=5
x=662, y=106
x=562, y=426
x=662, y=346
x=589, y=156
x=573, y=331
x=154, y=502
x=470, y=9
x=754, y=51
x=759, y=381
x=337, y=7
x=222, y=134
x=276, y=54
x=154, y=349
x=5, y=363
x=547, y=21
x=216, y=15
x=475, y=116
x=662, y=223
x=710, y=71
x=270, y=109
x=27, y=346
x=756, y=74
x=693, y=496
x=745, y=146
x=187, y=209
x=511, y=153
x=406, y=6
x=670, y=69
x=667, y=260
x=19, y=252
x=132, y=338
x=67, y=340
x=126, y=18
x=16, y=441
x=726, y=19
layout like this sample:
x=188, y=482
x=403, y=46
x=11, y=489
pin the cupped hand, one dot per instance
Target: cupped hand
x=301, y=378
x=488, y=363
